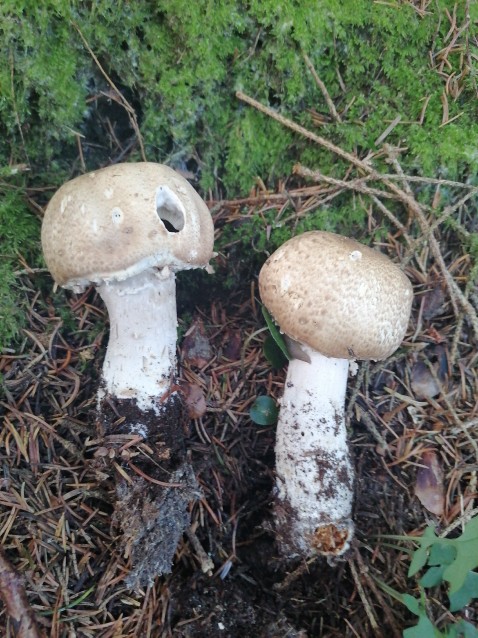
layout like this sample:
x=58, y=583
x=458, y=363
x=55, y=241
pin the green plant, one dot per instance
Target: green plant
x=275, y=347
x=447, y=561
x=264, y=411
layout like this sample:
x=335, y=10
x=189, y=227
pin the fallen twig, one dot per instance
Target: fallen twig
x=323, y=88
x=407, y=198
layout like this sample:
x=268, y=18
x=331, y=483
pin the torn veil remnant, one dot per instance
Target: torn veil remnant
x=341, y=301
x=127, y=229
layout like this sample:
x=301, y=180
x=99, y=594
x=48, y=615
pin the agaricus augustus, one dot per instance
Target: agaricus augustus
x=127, y=229
x=340, y=301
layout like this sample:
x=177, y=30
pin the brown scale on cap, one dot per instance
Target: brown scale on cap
x=122, y=219
x=341, y=298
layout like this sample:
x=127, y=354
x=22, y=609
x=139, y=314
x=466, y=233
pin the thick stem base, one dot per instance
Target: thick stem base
x=314, y=474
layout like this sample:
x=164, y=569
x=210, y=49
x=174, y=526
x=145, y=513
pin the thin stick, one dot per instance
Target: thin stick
x=429, y=180
x=357, y=185
x=120, y=97
x=206, y=562
x=388, y=615
x=454, y=290
x=303, y=131
x=366, y=603
x=323, y=88
x=354, y=184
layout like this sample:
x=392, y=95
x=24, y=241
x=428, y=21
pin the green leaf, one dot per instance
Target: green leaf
x=462, y=629
x=420, y=556
x=466, y=556
x=424, y=629
x=273, y=353
x=443, y=553
x=466, y=560
x=264, y=411
x=432, y=577
x=276, y=335
x=411, y=603
x=466, y=593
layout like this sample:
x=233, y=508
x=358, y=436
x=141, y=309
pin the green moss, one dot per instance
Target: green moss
x=182, y=61
x=19, y=233
x=179, y=64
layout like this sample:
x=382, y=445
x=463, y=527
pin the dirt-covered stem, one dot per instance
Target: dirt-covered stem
x=141, y=355
x=314, y=473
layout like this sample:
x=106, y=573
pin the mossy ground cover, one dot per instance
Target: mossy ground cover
x=87, y=84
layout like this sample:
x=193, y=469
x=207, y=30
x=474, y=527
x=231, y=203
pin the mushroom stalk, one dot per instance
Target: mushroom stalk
x=141, y=355
x=314, y=474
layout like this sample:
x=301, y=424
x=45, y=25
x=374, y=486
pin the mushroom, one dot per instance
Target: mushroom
x=128, y=229
x=340, y=301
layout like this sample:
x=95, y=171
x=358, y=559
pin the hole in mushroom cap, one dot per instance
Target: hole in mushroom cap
x=169, y=209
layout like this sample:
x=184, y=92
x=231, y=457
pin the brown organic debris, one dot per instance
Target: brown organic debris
x=12, y=591
x=57, y=487
x=154, y=492
x=429, y=488
x=194, y=399
x=196, y=349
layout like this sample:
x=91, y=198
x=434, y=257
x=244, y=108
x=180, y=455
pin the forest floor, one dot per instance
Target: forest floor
x=412, y=420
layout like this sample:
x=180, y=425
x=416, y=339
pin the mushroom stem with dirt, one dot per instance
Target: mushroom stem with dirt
x=340, y=301
x=127, y=229
x=140, y=360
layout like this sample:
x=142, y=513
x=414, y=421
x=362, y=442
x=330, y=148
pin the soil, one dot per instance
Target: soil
x=154, y=481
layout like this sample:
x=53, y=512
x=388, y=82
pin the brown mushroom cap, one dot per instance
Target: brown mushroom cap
x=339, y=297
x=117, y=221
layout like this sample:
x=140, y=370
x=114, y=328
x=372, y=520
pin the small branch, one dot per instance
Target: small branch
x=355, y=184
x=388, y=130
x=302, y=131
x=388, y=615
x=323, y=89
x=359, y=186
x=429, y=180
x=12, y=591
x=117, y=93
x=206, y=562
x=366, y=603
x=456, y=294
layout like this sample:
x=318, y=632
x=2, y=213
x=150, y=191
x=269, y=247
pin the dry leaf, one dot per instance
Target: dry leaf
x=194, y=399
x=232, y=347
x=429, y=488
x=196, y=349
x=433, y=302
x=423, y=383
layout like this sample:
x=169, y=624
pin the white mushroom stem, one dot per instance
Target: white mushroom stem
x=141, y=355
x=314, y=472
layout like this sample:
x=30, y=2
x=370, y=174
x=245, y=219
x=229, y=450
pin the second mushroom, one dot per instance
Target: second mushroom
x=340, y=301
